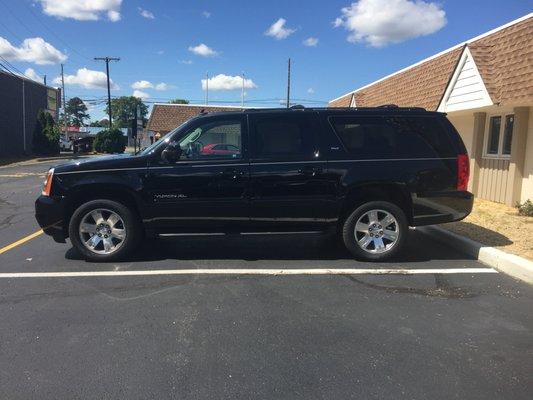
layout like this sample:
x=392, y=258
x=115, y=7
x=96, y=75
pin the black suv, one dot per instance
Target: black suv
x=365, y=173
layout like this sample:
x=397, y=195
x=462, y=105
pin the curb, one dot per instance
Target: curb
x=510, y=264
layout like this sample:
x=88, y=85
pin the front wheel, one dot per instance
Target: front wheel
x=375, y=231
x=104, y=230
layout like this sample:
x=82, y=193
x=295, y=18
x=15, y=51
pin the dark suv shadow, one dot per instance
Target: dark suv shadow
x=419, y=248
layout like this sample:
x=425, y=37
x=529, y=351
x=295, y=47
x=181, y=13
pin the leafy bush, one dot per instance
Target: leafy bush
x=525, y=209
x=45, y=135
x=109, y=141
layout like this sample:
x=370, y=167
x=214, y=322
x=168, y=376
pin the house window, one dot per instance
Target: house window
x=508, y=135
x=500, y=136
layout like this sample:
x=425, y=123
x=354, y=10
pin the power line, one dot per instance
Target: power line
x=12, y=66
x=11, y=32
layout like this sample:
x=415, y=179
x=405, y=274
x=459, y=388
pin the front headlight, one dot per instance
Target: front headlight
x=47, y=187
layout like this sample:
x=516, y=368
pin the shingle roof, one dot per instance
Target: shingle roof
x=165, y=117
x=504, y=59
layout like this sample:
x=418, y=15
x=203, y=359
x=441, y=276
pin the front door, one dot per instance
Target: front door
x=206, y=188
x=287, y=171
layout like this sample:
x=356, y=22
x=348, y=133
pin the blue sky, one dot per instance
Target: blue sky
x=155, y=40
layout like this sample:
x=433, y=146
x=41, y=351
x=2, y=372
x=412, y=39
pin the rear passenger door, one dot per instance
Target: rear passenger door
x=287, y=170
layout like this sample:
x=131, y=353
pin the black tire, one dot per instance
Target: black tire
x=131, y=225
x=350, y=238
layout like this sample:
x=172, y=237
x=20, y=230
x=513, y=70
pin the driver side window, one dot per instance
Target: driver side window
x=220, y=139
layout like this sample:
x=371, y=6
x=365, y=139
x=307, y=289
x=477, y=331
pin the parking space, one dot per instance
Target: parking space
x=456, y=330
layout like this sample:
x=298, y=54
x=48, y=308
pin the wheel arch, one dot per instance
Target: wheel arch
x=397, y=194
x=104, y=191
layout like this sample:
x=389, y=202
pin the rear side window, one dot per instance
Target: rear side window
x=282, y=137
x=393, y=137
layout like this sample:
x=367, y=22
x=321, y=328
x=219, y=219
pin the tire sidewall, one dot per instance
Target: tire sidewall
x=130, y=221
x=349, y=238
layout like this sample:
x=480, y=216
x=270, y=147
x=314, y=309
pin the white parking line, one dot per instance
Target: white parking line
x=230, y=271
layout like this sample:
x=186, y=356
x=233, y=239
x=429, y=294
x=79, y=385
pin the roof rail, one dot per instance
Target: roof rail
x=388, y=106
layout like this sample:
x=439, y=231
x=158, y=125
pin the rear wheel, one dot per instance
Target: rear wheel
x=104, y=230
x=375, y=231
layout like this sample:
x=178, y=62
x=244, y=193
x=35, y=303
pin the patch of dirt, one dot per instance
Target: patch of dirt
x=497, y=225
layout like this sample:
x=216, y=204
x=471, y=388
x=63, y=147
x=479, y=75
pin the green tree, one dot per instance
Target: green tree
x=179, y=101
x=123, y=109
x=77, y=111
x=103, y=123
x=109, y=141
x=45, y=135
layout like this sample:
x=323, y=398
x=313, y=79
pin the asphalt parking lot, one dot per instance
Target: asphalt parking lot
x=457, y=330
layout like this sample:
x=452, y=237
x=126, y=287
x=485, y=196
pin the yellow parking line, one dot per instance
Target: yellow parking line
x=21, y=241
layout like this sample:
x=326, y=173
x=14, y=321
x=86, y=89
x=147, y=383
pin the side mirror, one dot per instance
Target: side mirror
x=172, y=153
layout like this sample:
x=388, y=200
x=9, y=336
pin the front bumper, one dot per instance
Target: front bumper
x=50, y=213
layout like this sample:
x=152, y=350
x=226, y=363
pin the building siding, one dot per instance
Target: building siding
x=19, y=97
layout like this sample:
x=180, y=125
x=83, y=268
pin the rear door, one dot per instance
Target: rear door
x=287, y=171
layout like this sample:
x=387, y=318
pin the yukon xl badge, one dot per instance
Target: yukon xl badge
x=169, y=196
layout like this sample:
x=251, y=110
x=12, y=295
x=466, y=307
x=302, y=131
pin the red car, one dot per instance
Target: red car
x=219, y=150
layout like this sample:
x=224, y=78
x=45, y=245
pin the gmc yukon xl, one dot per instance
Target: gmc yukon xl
x=366, y=174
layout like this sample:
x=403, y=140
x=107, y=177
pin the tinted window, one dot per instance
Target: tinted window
x=508, y=134
x=494, y=135
x=393, y=137
x=285, y=137
x=209, y=140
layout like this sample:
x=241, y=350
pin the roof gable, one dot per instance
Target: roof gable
x=466, y=89
x=503, y=58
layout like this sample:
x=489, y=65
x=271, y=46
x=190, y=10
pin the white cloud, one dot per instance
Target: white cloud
x=206, y=14
x=310, y=42
x=380, y=22
x=278, y=30
x=34, y=50
x=160, y=52
x=30, y=73
x=311, y=91
x=145, y=13
x=226, y=82
x=187, y=62
x=141, y=85
x=161, y=87
x=87, y=79
x=140, y=94
x=203, y=50
x=83, y=10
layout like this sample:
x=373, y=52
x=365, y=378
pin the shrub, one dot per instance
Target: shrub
x=109, y=141
x=525, y=209
x=45, y=135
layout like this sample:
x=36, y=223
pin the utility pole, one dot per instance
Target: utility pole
x=289, y=85
x=65, y=129
x=44, y=80
x=107, y=59
x=206, y=88
x=242, y=91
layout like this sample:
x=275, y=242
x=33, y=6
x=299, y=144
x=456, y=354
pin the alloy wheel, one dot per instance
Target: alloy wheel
x=376, y=231
x=102, y=231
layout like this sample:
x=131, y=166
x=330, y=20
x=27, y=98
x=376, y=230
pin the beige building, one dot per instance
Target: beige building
x=485, y=85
